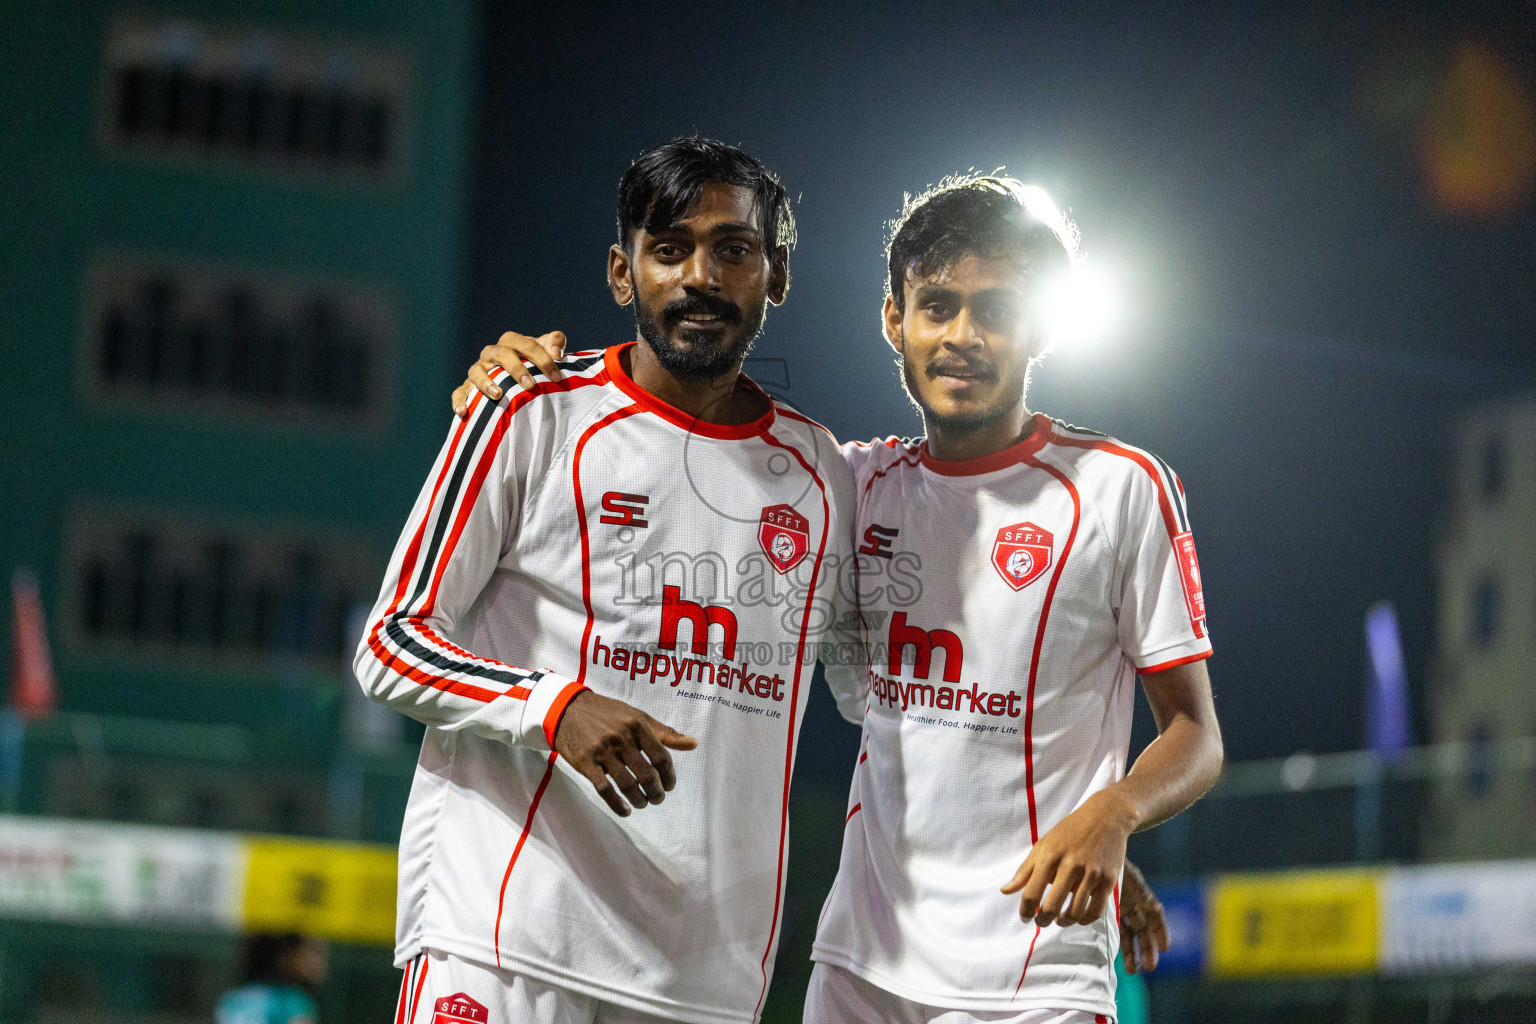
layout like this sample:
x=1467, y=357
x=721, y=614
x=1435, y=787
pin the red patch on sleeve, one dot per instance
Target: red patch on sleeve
x=1189, y=575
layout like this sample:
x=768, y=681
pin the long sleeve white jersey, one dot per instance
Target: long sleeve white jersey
x=590, y=536
x=1008, y=604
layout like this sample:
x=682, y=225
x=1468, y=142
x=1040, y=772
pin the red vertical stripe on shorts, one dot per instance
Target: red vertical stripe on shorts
x=421, y=981
x=405, y=990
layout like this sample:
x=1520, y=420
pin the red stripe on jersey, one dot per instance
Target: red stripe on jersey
x=1039, y=433
x=1116, y=894
x=407, y=571
x=575, y=687
x=1163, y=500
x=1175, y=663
x=856, y=808
x=581, y=524
x=399, y=666
x=413, y=551
x=557, y=710
x=905, y=460
x=408, y=568
x=405, y=989
x=471, y=493
x=1027, y=958
x=794, y=701
x=533, y=808
x=425, y=632
x=677, y=417
x=786, y=411
x=1034, y=661
x=421, y=981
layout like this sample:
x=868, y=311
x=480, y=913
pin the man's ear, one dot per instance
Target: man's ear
x=778, y=275
x=890, y=324
x=620, y=283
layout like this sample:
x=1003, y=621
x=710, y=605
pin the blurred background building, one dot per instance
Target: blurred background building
x=234, y=236
x=1485, y=693
x=250, y=247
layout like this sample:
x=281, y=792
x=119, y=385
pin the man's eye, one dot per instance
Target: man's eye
x=938, y=310
x=667, y=251
x=737, y=251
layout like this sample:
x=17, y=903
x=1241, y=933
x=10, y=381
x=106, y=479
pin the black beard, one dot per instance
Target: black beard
x=701, y=360
x=963, y=423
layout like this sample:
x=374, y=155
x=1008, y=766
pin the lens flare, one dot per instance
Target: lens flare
x=1082, y=309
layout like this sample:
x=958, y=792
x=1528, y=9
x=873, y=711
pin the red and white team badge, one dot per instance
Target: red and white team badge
x=459, y=1009
x=1021, y=553
x=1189, y=575
x=785, y=536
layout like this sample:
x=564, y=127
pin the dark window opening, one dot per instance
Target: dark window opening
x=1491, y=468
x=177, y=590
x=1485, y=611
x=331, y=109
x=1480, y=766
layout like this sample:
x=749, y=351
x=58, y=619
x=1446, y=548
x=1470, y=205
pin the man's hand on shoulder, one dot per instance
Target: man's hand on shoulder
x=1079, y=858
x=514, y=353
x=620, y=749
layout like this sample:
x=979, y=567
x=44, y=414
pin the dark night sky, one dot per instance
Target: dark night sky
x=1302, y=320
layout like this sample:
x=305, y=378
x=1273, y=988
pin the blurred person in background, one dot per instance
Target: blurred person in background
x=282, y=974
x=997, y=503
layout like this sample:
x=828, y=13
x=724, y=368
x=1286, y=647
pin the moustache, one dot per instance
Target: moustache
x=982, y=371
x=706, y=304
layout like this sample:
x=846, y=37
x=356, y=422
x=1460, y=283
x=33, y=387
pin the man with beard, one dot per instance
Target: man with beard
x=1057, y=565
x=513, y=621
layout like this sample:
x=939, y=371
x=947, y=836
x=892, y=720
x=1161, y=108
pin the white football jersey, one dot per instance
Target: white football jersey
x=588, y=535
x=1008, y=604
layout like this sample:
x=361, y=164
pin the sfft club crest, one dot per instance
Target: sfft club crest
x=785, y=536
x=1021, y=553
x=459, y=1009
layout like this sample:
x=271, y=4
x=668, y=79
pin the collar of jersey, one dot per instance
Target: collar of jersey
x=689, y=422
x=1040, y=432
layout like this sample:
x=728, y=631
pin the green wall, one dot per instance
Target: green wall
x=68, y=200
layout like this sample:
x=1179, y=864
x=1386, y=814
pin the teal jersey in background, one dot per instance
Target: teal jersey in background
x=1131, y=1003
x=266, y=1004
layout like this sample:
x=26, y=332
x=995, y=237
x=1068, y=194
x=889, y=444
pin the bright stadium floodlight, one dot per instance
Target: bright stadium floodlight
x=1082, y=309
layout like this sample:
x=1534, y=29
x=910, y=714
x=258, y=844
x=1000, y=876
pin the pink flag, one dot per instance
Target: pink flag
x=33, y=694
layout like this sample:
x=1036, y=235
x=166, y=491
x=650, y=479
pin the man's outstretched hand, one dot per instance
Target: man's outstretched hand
x=620, y=749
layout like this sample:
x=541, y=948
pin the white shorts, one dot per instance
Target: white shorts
x=439, y=988
x=837, y=996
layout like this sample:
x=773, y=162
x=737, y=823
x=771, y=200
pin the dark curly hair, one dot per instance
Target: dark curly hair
x=663, y=184
x=973, y=214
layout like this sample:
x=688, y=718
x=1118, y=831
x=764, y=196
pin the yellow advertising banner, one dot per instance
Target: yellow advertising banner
x=341, y=891
x=1314, y=922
